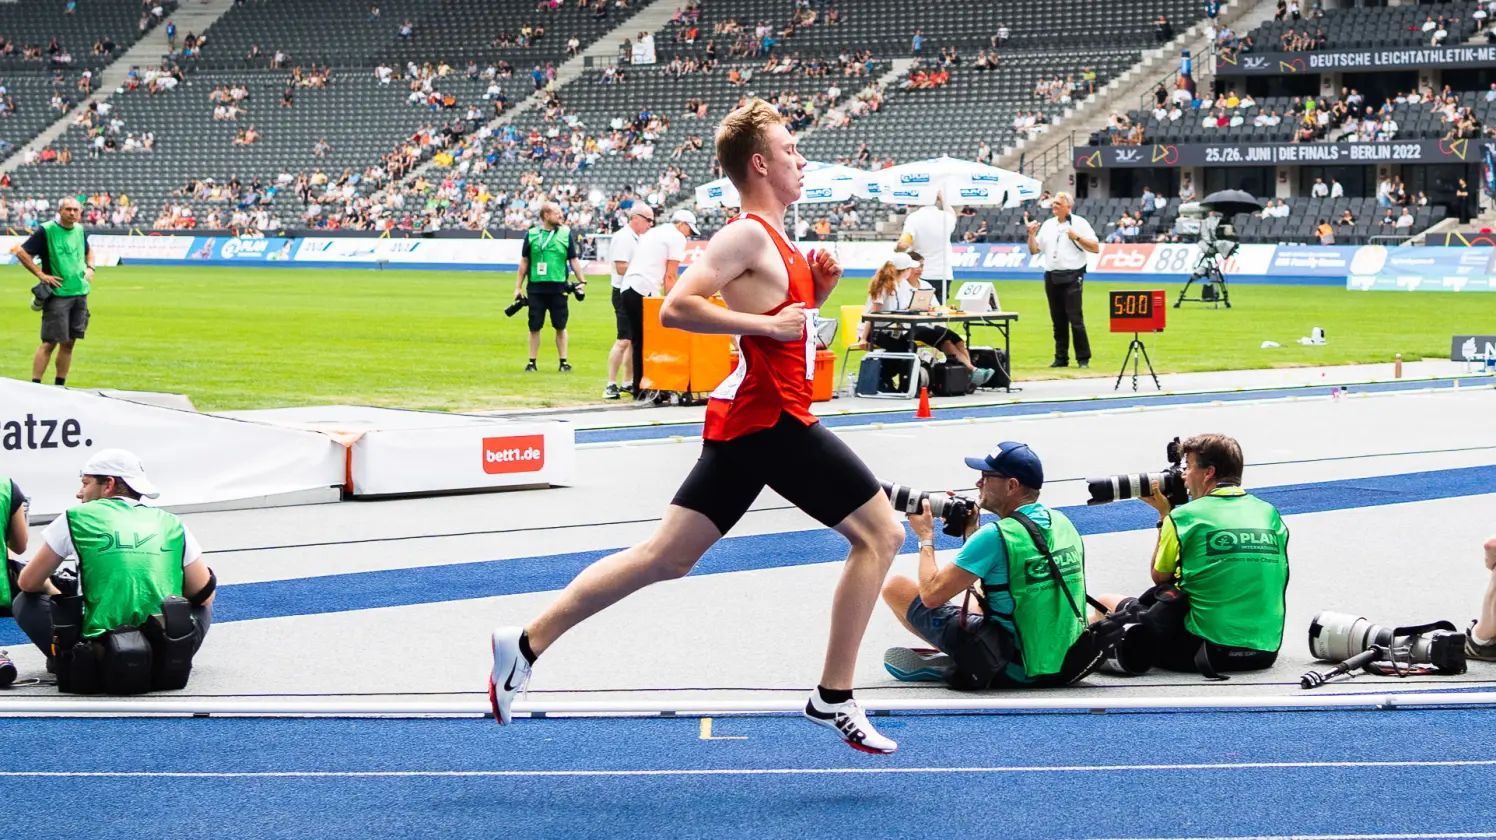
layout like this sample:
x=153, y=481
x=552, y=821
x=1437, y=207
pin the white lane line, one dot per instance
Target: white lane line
x=749, y=771
x=1323, y=837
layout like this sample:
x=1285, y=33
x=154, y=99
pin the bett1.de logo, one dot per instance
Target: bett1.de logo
x=515, y=454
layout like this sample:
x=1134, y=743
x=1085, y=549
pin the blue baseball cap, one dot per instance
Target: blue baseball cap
x=1012, y=460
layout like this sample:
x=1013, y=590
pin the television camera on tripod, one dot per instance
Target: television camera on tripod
x=1211, y=220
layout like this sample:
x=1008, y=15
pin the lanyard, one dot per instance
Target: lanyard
x=546, y=243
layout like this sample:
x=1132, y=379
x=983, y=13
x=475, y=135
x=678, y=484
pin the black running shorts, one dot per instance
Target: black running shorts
x=807, y=465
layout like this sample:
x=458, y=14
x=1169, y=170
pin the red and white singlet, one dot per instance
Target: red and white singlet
x=772, y=377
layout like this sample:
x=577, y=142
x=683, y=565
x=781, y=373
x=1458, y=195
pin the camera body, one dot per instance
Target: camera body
x=576, y=288
x=520, y=302
x=1169, y=481
x=955, y=511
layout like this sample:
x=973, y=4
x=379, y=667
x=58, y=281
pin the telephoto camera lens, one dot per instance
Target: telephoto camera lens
x=7, y=669
x=519, y=303
x=1336, y=637
x=1114, y=488
x=906, y=499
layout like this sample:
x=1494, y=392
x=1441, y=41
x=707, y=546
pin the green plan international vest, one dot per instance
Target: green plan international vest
x=1046, y=625
x=548, y=249
x=1233, y=565
x=6, y=595
x=65, y=258
x=129, y=561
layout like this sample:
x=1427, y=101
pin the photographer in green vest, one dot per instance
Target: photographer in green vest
x=1021, y=603
x=1220, y=570
x=14, y=536
x=549, y=250
x=129, y=559
x=65, y=271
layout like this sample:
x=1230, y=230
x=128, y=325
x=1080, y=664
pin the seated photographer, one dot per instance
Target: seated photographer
x=1480, y=639
x=1220, y=570
x=122, y=581
x=893, y=289
x=1030, y=623
x=13, y=538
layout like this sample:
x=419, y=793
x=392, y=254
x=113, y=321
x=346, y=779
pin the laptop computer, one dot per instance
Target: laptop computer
x=921, y=302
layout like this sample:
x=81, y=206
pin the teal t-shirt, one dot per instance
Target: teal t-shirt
x=986, y=556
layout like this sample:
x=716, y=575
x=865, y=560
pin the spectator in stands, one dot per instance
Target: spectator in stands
x=1324, y=232
x=1462, y=201
x=1336, y=190
x=1147, y=203
x=58, y=254
x=1405, y=220
x=620, y=253
x=1186, y=189
x=1320, y=189
x=1064, y=239
x=1347, y=218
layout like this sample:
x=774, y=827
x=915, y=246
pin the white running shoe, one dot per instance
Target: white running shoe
x=850, y=723
x=511, y=673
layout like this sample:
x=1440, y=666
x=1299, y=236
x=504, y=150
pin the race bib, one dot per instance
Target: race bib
x=810, y=344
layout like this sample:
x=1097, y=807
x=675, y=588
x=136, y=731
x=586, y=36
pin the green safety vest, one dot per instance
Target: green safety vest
x=129, y=561
x=6, y=595
x=1043, y=621
x=66, y=259
x=1233, y=565
x=548, y=249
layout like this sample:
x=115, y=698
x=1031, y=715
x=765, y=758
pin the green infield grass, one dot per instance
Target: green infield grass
x=233, y=338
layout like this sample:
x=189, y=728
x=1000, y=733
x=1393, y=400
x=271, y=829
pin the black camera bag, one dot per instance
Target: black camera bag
x=995, y=360
x=950, y=379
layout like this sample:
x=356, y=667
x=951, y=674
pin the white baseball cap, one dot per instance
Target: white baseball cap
x=688, y=217
x=902, y=261
x=123, y=465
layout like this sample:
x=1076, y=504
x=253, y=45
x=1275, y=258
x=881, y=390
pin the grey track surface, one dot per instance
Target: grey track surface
x=761, y=633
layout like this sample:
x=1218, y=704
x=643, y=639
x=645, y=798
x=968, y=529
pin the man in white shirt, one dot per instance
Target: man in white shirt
x=928, y=230
x=1405, y=220
x=1064, y=239
x=1320, y=189
x=620, y=252
x=651, y=271
x=1336, y=190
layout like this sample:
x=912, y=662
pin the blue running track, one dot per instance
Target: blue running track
x=990, y=776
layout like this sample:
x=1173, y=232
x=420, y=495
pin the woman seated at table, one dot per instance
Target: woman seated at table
x=893, y=289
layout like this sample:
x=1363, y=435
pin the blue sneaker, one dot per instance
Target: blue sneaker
x=916, y=664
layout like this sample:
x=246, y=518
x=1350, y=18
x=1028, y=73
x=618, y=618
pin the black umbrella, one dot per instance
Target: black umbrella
x=1230, y=202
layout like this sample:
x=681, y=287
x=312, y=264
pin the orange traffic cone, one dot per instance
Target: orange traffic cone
x=923, y=413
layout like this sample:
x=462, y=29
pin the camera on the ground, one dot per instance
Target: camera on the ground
x=1169, y=482
x=955, y=511
x=1337, y=637
x=520, y=302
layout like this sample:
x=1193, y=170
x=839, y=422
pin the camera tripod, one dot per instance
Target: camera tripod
x=1135, y=352
x=1212, y=284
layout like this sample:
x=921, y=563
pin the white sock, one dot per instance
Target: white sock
x=1478, y=640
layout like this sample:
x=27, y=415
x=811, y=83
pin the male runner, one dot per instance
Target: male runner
x=759, y=432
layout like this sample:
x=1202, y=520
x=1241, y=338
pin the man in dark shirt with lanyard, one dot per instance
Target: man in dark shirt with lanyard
x=549, y=249
x=66, y=271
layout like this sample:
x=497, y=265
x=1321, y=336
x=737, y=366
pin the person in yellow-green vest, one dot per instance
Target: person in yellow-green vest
x=1220, y=570
x=65, y=273
x=549, y=249
x=128, y=557
x=13, y=536
x=1034, y=607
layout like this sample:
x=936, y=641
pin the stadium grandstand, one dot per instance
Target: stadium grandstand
x=422, y=115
